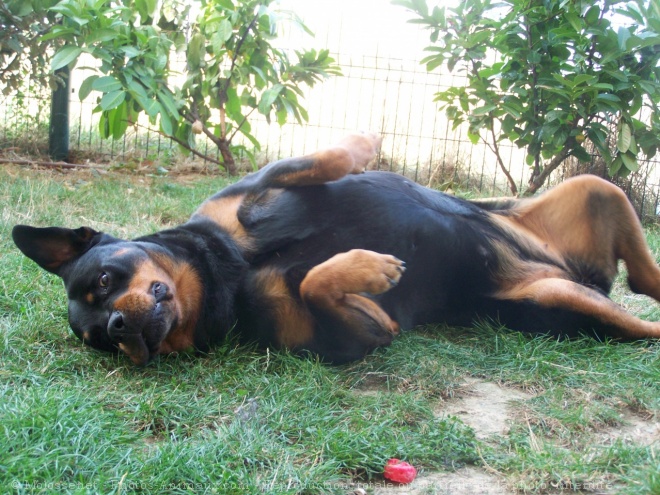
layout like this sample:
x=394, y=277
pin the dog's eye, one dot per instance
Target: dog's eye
x=104, y=279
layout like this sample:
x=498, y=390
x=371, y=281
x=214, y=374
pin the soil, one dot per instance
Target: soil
x=484, y=406
x=489, y=409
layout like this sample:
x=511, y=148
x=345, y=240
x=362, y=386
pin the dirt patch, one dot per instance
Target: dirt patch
x=465, y=481
x=371, y=384
x=484, y=406
x=634, y=430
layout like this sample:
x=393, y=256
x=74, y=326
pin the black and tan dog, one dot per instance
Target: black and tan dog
x=307, y=254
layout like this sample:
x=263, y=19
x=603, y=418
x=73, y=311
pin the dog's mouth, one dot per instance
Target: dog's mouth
x=135, y=347
x=142, y=343
x=142, y=322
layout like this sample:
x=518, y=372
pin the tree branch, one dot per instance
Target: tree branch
x=538, y=181
x=495, y=148
x=236, y=52
x=184, y=144
x=238, y=128
x=535, y=98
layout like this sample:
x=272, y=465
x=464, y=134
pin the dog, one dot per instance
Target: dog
x=314, y=254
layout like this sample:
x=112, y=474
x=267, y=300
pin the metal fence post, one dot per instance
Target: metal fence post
x=58, y=131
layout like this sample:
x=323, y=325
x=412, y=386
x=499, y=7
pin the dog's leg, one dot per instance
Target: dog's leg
x=334, y=289
x=585, y=304
x=350, y=156
x=591, y=222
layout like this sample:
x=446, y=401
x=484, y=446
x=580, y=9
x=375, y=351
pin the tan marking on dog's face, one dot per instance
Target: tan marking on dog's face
x=137, y=297
x=121, y=252
x=180, y=307
x=224, y=212
x=89, y=298
x=188, y=296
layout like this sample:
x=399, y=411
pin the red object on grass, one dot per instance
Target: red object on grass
x=399, y=471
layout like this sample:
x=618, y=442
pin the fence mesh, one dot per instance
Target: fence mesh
x=392, y=96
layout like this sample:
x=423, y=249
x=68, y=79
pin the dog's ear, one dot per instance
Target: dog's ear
x=53, y=247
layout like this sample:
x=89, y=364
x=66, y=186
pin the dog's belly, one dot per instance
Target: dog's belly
x=443, y=241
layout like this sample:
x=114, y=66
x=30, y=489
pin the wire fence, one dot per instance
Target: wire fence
x=391, y=96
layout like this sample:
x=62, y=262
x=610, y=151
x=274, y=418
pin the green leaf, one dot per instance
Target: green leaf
x=104, y=126
x=64, y=57
x=574, y=20
x=649, y=87
x=303, y=113
x=196, y=51
x=615, y=166
x=604, y=86
x=112, y=100
x=592, y=15
x=630, y=161
x=598, y=136
x=118, y=120
x=100, y=36
x=86, y=86
x=226, y=4
x=60, y=32
x=217, y=44
x=146, y=8
x=152, y=107
x=136, y=89
x=553, y=115
x=608, y=97
x=168, y=102
x=130, y=51
x=581, y=154
x=623, y=36
x=106, y=84
x=562, y=80
x=625, y=137
x=233, y=105
x=225, y=30
x=633, y=145
x=268, y=98
x=484, y=110
x=21, y=9
x=585, y=79
x=166, y=124
x=184, y=133
x=434, y=61
x=281, y=116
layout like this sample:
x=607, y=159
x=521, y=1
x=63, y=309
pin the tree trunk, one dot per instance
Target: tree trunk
x=537, y=180
x=227, y=157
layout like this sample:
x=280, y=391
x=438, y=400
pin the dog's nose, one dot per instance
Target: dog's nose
x=116, y=326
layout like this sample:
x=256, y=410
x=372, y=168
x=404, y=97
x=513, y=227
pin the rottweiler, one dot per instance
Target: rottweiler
x=314, y=254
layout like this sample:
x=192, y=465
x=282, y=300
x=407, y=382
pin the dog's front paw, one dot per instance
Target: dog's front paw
x=368, y=271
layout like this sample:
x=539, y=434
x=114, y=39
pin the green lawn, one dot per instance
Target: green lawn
x=244, y=421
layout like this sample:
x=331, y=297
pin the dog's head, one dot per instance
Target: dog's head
x=127, y=295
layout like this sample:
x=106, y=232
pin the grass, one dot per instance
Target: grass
x=239, y=420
